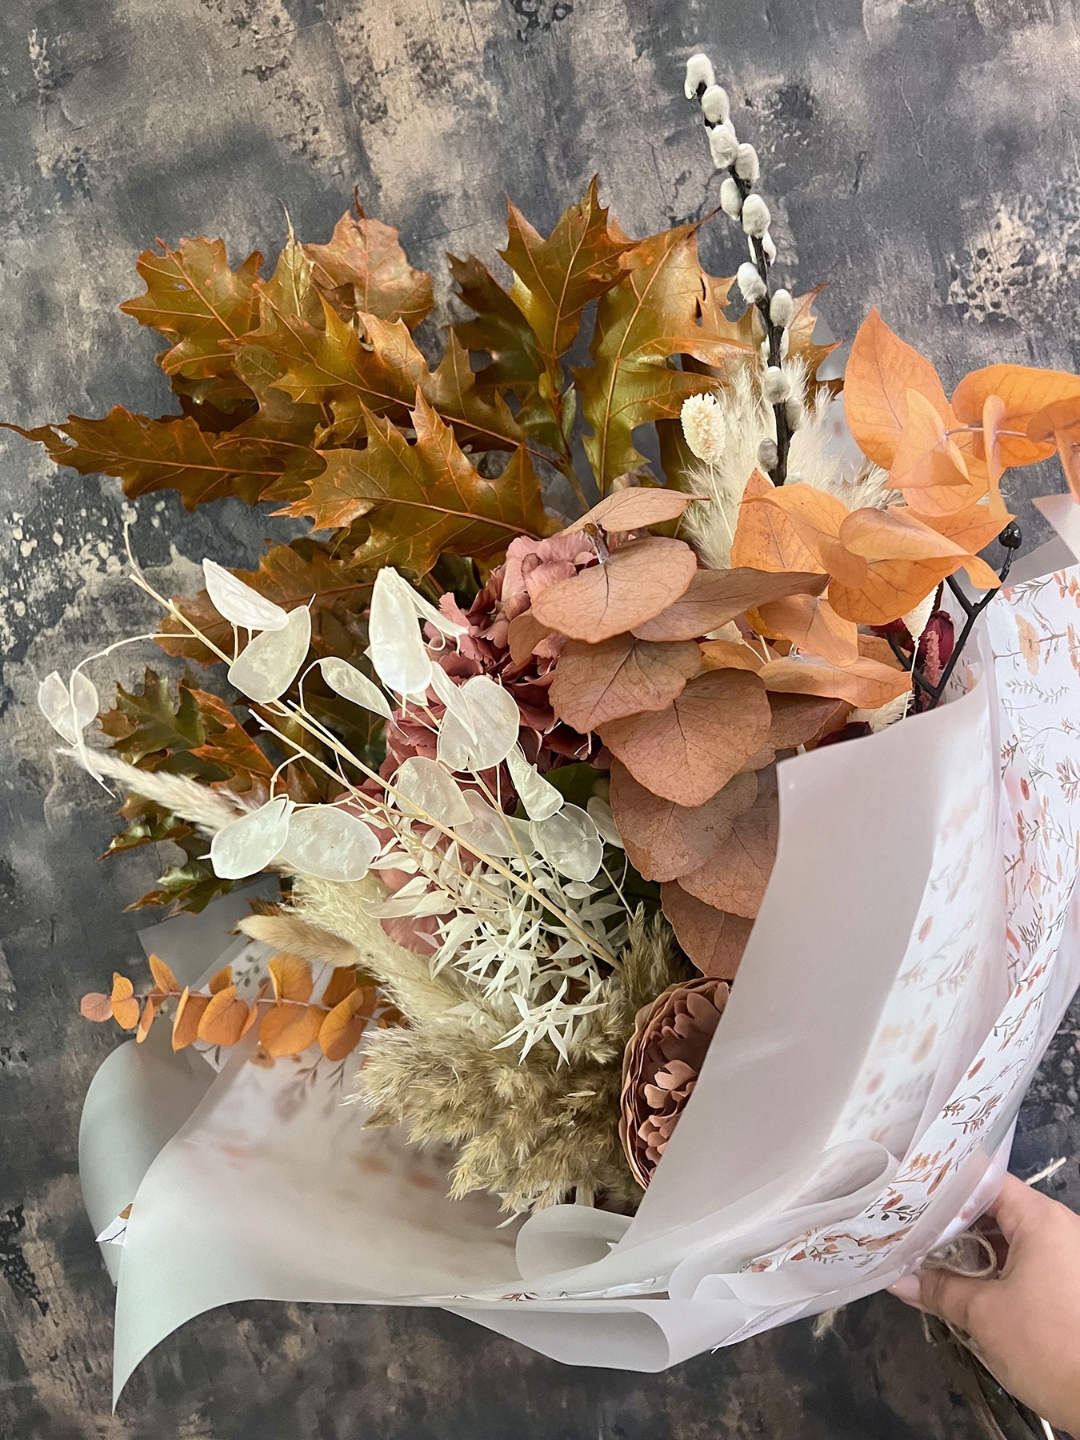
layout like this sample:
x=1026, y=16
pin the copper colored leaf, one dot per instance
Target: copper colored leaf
x=224, y=1019
x=151, y=1005
x=291, y=978
x=634, y=508
x=632, y=585
x=220, y=980
x=734, y=878
x=810, y=622
x=866, y=684
x=524, y=634
x=661, y=308
x=343, y=1027
x=124, y=1006
x=620, y=676
x=96, y=1007
x=342, y=982
x=817, y=519
x=481, y=420
x=880, y=371
x=189, y=1013
x=1059, y=423
x=973, y=528
x=365, y=262
x=904, y=560
x=714, y=597
x=713, y=939
x=164, y=978
x=800, y=719
x=421, y=499
x=765, y=538
x=928, y=468
x=1025, y=391
x=688, y=751
x=170, y=454
x=555, y=278
x=730, y=654
x=196, y=301
x=289, y=1029
x=664, y=840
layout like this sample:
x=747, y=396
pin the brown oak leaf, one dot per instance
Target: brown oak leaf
x=364, y=267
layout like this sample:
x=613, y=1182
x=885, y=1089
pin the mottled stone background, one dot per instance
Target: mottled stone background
x=919, y=156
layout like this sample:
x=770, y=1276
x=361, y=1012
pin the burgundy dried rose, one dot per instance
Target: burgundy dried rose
x=661, y=1064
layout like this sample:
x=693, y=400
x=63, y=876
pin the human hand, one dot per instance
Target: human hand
x=1024, y=1323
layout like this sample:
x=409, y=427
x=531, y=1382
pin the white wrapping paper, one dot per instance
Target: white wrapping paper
x=916, y=948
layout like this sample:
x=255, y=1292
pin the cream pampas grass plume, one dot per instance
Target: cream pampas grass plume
x=210, y=810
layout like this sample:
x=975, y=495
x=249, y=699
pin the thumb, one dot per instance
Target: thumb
x=954, y=1298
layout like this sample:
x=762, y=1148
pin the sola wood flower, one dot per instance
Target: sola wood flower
x=660, y=1067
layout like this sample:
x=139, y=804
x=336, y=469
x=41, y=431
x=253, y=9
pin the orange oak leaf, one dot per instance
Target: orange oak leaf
x=620, y=676
x=363, y=262
x=866, y=684
x=688, y=751
x=291, y=978
x=632, y=585
x=122, y=1002
x=1059, y=424
x=96, y=1007
x=659, y=308
x=734, y=878
x=634, y=508
x=664, y=840
x=421, y=499
x=343, y=1026
x=714, y=597
x=189, y=1012
x=811, y=623
x=879, y=373
x=289, y=1029
x=765, y=538
x=713, y=939
x=1024, y=391
x=195, y=300
x=224, y=1019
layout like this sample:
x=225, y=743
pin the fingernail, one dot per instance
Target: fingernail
x=906, y=1289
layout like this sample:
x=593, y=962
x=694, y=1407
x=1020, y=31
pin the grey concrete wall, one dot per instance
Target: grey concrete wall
x=920, y=155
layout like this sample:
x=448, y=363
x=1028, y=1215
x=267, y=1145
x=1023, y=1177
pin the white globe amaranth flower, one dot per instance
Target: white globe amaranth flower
x=715, y=105
x=730, y=199
x=704, y=427
x=723, y=145
x=747, y=166
x=781, y=308
x=775, y=386
x=750, y=283
x=755, y=215
x=699, y=76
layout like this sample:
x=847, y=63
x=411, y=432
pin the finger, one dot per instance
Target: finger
x=1015, y=1206
x=952, y=1297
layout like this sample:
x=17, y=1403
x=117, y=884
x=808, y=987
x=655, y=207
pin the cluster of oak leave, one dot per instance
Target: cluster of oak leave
x=289, y=1019
x=316, y=389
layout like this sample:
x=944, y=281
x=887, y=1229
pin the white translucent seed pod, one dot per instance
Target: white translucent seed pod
x=768, y=457
x=699, y=76
x=755, y=214
x=775, y=386
x=768, y=247
x=715, y=105
x=723, y=145
x=747, y=166
x=781, y=308
x=795, y=413
x=730, y=199
x=750, y=283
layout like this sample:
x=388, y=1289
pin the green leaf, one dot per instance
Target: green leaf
x=150, y=725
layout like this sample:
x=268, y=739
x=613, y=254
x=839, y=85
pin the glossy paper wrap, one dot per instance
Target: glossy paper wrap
x=915, y=951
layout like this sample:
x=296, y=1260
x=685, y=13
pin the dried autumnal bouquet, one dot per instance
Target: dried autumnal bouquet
x=506, y=723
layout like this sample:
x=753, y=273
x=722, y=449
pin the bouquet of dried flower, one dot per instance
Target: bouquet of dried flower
x=514, y=756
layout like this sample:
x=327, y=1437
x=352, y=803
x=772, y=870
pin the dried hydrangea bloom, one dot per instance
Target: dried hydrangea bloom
x=661, y=1064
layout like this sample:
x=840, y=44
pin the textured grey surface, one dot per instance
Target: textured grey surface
x=920, y=156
